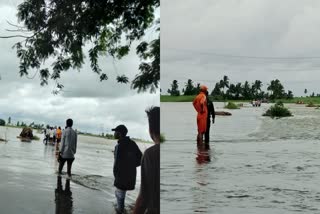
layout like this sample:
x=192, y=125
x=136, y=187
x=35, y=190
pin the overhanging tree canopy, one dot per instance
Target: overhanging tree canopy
x=60, y=29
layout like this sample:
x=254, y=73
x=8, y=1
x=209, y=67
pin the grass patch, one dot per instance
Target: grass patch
x=231, y=105
x=168, y=98
x=278, y=110
x=182, y=98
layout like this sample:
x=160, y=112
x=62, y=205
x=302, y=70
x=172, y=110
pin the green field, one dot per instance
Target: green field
x=168, y=98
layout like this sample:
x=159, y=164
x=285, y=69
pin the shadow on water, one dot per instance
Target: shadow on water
x=63, y=197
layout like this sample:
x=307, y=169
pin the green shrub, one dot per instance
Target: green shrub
x=2, y=122
x=278, y=110
x=231, y=105
x=311, y=104
x=279, y=104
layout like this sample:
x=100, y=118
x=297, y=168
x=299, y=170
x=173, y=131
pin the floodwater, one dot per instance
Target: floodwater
x=255, y=165
x=29, y=181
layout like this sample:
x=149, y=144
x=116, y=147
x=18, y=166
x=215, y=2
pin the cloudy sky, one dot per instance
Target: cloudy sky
x=243, y=39
x=94, y=106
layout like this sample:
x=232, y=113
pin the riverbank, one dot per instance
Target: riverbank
x=305, y=100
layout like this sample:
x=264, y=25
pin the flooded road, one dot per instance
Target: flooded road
x=258, y=164
x=29, y=182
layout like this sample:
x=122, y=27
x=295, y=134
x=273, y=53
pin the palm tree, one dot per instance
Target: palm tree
x=257, y=88
x=276, y=88
x=224, y=83
x=246, y=90
x=231, y=91
x=216, y=91
x=190, y=89
x=238, y=90
x=289, y=95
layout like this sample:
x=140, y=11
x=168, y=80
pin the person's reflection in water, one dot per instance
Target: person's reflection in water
x=203, y=154
x=202, y=180
x=63, y=198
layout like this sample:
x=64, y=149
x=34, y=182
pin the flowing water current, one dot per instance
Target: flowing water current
x=257, y=164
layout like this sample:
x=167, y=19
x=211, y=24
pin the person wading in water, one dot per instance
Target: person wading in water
x=200, y=105
x=211, y=113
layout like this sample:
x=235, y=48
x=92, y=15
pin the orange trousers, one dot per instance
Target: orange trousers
x=202, y=122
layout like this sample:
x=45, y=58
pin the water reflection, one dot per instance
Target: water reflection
x=201, y=178
x=63, y=198
x=203, y=153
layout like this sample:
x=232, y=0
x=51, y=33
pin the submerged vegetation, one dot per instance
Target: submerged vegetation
x=231, y=105
x=310, y=104
x=278, y=110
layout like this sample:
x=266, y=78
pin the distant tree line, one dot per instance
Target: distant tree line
x=23, y=124
x=223, y=89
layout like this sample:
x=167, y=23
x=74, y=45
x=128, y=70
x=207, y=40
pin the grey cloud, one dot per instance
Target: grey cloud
x=199, y=38
x=95, y=106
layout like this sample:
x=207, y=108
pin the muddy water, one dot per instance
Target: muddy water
x=29, y=182
x=257, y=164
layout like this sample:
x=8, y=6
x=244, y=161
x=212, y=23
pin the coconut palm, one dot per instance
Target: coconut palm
x=224, y=83
x=276, y=88
x=246, y=90
x=238, y=90
x=256, y=88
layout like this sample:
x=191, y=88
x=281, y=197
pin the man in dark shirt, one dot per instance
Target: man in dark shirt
x=127, y=156
x=211, y=113
x=148, y=200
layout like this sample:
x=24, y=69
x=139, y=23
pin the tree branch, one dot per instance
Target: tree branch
x=14, y=36
x=17, y=26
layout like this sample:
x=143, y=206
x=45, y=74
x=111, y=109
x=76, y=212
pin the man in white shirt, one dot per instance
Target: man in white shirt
x=68, y=147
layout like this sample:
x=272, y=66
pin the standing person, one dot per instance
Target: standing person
x=50, y=134
x=59, y=134
x=54, y=135
x=211, y=113
x=200, y=105
x=127, y=156
x=148, y=200
x=68, y=147
x=47, y=134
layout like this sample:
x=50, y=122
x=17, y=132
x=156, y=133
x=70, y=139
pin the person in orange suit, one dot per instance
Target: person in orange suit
x=58, y=136
x=200, y=105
